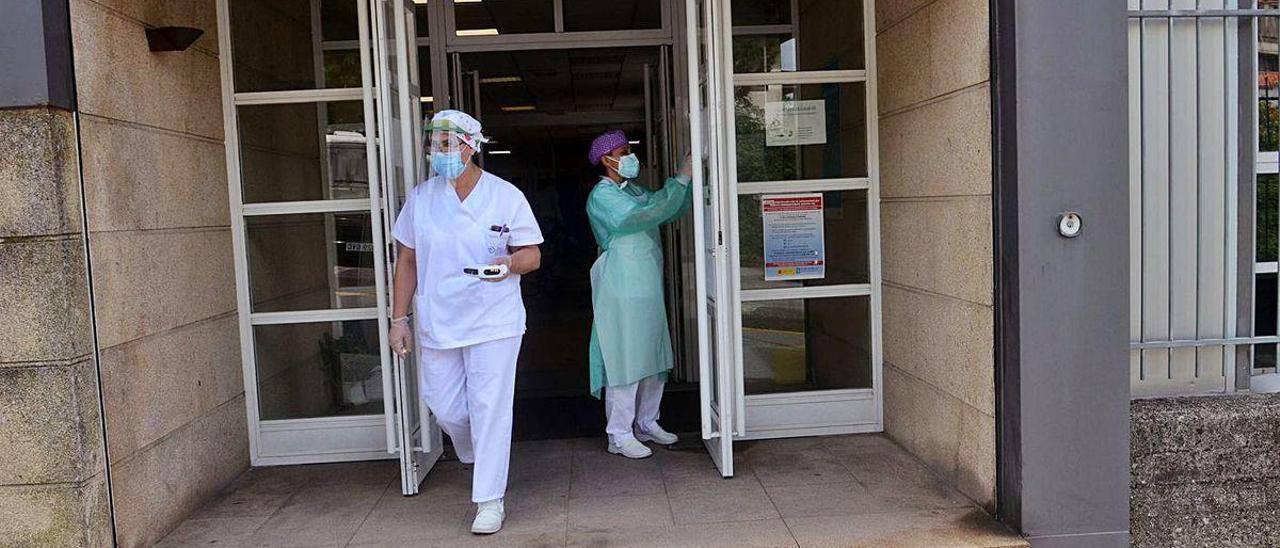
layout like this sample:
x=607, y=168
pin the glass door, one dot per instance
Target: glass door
x=312, y=142
x=418, y=439
x=719, y=404
x=803, y=183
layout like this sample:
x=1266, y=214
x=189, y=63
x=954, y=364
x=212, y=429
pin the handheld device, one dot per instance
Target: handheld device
x=486, y=271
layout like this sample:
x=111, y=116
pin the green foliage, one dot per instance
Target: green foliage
x=1268, y=126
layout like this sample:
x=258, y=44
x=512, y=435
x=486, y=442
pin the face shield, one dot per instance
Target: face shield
x=449, y=153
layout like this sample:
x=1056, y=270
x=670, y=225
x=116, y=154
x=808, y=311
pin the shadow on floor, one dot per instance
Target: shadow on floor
x=831, y=491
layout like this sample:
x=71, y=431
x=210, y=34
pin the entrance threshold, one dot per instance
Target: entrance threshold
x=857, y=490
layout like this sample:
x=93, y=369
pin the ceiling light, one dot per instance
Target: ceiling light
x=477, y=32
x=500, y=79
x=427, y=99
x=519, y=108
x=425, y=1
x=499, y=152
x=633, y=142
x=466, y=1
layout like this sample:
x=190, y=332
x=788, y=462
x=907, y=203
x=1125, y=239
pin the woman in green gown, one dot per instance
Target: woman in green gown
x=630, y=345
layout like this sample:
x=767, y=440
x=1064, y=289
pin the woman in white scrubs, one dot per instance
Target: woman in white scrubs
x=469, y=323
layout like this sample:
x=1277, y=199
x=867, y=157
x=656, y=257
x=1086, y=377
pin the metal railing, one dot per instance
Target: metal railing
x=1194, y=165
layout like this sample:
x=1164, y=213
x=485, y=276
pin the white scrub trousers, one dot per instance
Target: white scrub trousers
x=470, y=391
x=632, y=407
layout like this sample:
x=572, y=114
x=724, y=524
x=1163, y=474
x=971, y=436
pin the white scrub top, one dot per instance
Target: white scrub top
x=452, y=309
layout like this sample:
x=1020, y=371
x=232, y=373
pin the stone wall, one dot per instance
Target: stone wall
x=1206, y=471
x=53, y=489
x=936, y=237
x=159, y=237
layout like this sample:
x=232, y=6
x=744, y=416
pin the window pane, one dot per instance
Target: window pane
x=589, y=15
x=280, y=46
x=761, y=12
x=811, y=131
x=812, y=344
x=1264, y=318
x=1268, y=201
x=1268, y=83
x=420, y=15
x=304, y=151
x=310, y=261
x=844, y=221
x=830, y=36
x=424, y=80
x=321, y=369
x=494, y=17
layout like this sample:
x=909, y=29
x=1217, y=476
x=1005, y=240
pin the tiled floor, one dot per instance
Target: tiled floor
x=831, y=491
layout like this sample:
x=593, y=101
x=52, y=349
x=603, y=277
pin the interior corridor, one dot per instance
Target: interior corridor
x=835, y=491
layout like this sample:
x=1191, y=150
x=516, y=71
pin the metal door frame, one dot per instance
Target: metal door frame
x=276, y=442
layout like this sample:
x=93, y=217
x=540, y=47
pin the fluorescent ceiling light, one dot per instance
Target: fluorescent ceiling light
x=466, y=1
x=519, y=108
x=499, y=152
x=477, y=32
x=500, y=79
x=427, y=99
x=633, y=142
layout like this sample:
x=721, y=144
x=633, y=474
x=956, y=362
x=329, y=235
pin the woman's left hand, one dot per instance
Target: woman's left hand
x=503, y=261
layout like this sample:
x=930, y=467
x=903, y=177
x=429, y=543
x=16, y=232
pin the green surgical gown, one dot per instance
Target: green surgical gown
x=629, y=337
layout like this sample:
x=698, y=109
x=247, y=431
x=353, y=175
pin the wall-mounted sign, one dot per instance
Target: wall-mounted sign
x=794, y=244
x=790, y=123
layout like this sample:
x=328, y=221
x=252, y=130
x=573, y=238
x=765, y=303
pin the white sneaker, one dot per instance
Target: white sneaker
x=489, y=515
x=630, y=448
x=656, y=434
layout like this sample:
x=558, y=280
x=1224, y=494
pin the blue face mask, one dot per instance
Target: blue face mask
x=447, y=164
x=629, y=166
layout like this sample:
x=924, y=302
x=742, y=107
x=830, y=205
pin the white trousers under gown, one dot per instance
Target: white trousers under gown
x=632, y=407
x=471, y=390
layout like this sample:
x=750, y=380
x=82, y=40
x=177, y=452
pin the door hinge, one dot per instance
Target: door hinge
x=719, y=237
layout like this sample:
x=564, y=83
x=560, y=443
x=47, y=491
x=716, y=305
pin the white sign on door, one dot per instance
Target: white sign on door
x=790, y=123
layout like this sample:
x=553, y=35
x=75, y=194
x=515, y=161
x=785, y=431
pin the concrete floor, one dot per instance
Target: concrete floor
x=831, y=491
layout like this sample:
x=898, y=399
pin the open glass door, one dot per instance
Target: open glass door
x=716, y=367
x=417, y=439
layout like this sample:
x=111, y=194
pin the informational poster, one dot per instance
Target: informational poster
x=790, y=123
x=794, y=244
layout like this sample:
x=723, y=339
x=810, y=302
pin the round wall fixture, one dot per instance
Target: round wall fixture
x=1069, y=224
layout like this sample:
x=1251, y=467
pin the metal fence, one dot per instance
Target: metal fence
x=1203, y=199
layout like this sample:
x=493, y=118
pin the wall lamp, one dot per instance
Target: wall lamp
x=172, y=38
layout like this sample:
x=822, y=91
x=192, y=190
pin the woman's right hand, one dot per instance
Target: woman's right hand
x=400, y=337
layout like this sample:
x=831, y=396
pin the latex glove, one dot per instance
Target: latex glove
x=686, y=167
x=400, y=337
x=500, y=260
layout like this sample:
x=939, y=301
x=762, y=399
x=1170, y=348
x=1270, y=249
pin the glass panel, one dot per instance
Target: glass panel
x=812, y=131
x=1264, y=318
x=589, y=15
x=812, y=344
x=844, y=221
x=303, y=151
x=830, y=36
x=283, y=45
x=1268, y=83
x=310, y=261
x=761, y=12
x=494, y=17
x=424, y=80
x=421, y=13
x=589, y=82
x=1268, y=201
x=320, y=369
